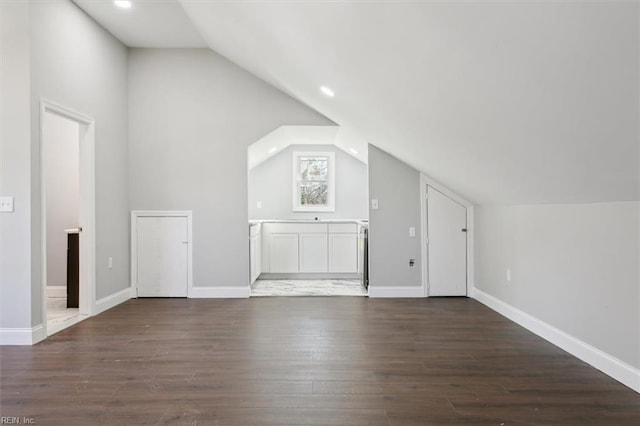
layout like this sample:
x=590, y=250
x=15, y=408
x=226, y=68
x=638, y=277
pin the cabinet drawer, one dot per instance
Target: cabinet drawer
x=299, y=228
x=343, y=228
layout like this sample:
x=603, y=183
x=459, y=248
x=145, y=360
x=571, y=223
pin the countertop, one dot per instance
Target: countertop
x=360, y=222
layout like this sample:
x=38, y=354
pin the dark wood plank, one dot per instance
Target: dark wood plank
x=297, y=361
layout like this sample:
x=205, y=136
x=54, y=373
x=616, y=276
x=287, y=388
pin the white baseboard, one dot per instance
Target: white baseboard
x=413, y=291
x=219, y=292
x=56, y=291
x=22, y=336
x=610, y=365
x=115, y=299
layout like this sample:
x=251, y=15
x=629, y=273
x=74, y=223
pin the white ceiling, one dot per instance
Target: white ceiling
x=148, y=23
x=503, y=102
x=278, y=140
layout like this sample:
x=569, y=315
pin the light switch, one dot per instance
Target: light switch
x=258, y=204
x=412, y=231
x=110, y=262
x=374, y=204
x=509, y=275
x=6, y=204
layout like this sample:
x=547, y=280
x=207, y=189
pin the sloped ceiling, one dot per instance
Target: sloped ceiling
x=148, y=23
x=502, y=102
x=284, y=136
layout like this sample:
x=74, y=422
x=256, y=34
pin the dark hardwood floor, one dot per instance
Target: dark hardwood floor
x=299, y=361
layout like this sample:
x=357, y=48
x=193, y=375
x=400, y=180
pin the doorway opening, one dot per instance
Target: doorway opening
x=67, y=216
x=308, y=213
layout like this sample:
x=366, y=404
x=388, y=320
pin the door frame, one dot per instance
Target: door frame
x=425, y=182
x=135, y=214
x=87, y=213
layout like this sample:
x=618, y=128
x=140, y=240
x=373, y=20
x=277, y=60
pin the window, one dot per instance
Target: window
x=313, y=181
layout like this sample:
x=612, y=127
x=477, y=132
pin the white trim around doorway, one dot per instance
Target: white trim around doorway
x=135, y=214
x=87, y=211
x=426, y=181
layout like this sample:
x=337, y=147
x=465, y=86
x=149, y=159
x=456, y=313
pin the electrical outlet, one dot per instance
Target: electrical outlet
x=258, y=204
x=412, y=231
x=6, y=204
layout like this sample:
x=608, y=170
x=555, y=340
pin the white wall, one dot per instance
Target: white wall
x=271, y=183
x=62, y=191
x=15, y=166
x=574, y=266
x=396, y=186
x=78, y=64
x=192, y=116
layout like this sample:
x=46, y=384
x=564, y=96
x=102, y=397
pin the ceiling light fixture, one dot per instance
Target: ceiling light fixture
x=327, y=91
x=124, y=4
x=353, y=151
x=273, y=149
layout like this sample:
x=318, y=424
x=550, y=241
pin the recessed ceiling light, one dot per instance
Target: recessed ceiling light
x=327, y=91
x=273, y=149
x=124, y=4
x=353, y=151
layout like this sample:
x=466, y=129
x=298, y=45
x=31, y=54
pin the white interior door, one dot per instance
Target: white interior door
x=162, y=256
x=447, y=249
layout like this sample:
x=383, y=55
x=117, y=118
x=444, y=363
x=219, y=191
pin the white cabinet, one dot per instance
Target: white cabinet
x=300, y=247
x=313, y=252
x=255, y=252
x=284, y=253
x=343, y=253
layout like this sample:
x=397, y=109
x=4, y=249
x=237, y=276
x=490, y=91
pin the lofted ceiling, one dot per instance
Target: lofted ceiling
x=148, y=23
x=284, y=136
x=503, y=102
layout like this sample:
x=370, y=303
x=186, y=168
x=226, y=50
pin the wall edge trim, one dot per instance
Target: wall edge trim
x=219, y=292
x=606, y=363
x=399, y=291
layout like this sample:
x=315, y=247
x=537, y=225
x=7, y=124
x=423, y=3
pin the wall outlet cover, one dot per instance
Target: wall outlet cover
x=6, y=204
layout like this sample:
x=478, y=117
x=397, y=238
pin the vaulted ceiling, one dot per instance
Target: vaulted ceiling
x=503, y=102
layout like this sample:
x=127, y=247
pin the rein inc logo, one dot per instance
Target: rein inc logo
x=17, y=421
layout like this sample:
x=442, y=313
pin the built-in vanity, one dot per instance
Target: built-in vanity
x=307, y=248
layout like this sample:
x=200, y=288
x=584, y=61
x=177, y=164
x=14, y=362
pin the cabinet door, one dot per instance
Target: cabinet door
x=254, y=256
x=313, y=252
x=343, y=253
x=252, y=259
x=162, y=256
x=284, y=253
x=258, y=254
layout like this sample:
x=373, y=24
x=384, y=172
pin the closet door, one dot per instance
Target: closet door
x=447, y=229
x=162, y=256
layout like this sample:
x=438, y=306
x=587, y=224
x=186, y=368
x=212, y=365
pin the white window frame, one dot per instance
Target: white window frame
x=331, y=196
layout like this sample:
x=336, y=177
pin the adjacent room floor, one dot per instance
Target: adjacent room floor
x=307, y=360
x=308, y=288
x=58, y=313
